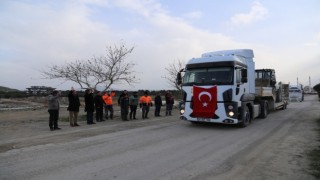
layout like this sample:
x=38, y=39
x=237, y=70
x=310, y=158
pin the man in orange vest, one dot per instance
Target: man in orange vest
x=108, y=107
x=145, y=103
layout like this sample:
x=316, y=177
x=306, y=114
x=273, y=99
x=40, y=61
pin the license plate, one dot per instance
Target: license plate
x=203, y=119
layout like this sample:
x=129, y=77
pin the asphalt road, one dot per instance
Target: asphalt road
x=168, y=148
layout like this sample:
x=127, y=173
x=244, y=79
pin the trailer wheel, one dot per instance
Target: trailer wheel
x=245, y=117
x=264, y=109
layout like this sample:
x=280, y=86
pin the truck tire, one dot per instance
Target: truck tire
x=245, y=117
x=264, y=110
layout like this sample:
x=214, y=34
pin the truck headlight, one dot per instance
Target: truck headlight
x=182, y=111
x=231, y=109
x=231, y=113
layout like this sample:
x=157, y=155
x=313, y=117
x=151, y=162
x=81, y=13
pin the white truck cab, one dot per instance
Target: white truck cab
x=219, y=87
x=296, y=93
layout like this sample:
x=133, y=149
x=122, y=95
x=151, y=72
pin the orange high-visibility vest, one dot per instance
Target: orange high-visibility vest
x=145, y=100
x=108, y=99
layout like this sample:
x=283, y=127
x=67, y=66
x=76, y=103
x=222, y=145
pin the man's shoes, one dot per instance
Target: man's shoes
x=76, y=124
x=72, y=125
x=93, y=123
x=57, y=128
x=51, y=129
x=103, y=120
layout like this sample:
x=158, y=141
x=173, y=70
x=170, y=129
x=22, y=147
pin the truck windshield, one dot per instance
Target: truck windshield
x=209, y=76
x=294, y=90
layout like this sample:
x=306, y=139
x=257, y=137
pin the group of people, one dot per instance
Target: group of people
x=103, y=104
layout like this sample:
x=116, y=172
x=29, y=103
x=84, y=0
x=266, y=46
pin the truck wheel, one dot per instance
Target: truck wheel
x=264, y=110
x=245, y=117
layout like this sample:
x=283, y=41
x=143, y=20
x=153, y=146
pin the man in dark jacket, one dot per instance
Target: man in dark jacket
x=133, y=103
x=53, y=109
x=124, y=104
x=89, y=106
x=98, y=103
x=73, y=108
x=158, y=104
x=169, y=103
x=124, y=93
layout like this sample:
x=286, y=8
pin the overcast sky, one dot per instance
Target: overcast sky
x=284, y=35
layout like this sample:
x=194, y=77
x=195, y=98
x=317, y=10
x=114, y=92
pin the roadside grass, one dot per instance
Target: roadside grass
x=314, y=156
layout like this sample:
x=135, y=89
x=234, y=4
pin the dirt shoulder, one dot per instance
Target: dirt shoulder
x=23, y=128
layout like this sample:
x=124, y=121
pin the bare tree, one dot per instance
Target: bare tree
x=173, y=70
x=101, y=71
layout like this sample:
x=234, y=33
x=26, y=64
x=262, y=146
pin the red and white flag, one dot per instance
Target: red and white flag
x=204, y=101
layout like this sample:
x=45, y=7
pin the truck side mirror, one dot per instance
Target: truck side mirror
x=179, y=78
x=244, y=77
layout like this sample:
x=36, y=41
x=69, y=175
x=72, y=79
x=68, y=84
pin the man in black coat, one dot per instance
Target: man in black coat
x=99, y=102
x=89, y=106
x=73, y=108
x=124, y=104
x=158, y=104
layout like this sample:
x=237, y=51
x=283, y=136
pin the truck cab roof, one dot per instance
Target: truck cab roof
x=226, y=57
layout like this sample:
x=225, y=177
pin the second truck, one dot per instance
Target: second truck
x=224, y=87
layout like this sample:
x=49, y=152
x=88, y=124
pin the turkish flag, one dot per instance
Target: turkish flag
x=204, y=101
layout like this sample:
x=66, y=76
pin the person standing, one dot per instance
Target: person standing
x=98, y=103
x=169, y=103
x=89, y=106
x=73, y=108
x=53, y=109
x=125, y=92
x=108, y=107
x=145, y=103
x=133, y=102
x=158, y=104
x=124, y=104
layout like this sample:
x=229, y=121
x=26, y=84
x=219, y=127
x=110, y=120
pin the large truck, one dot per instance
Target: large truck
x=224, y=87
x=296, y=93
